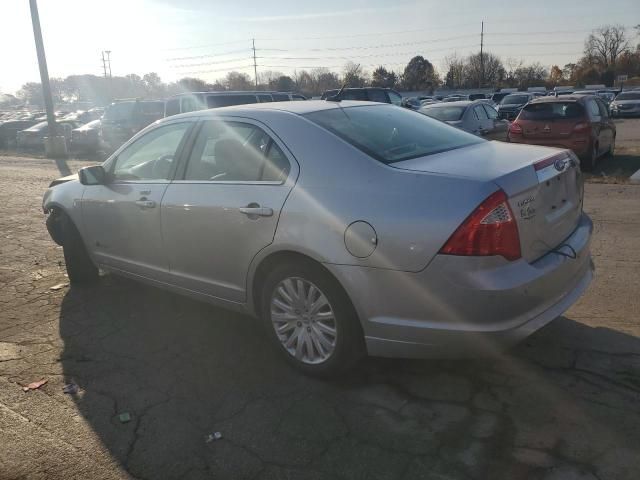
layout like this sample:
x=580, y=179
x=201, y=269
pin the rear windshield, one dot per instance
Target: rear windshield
x=151, y=108
x=515, y=99
x=214, y=101
x=391, y=134
x=628, y=96
x=446, y=114
x=551, y=111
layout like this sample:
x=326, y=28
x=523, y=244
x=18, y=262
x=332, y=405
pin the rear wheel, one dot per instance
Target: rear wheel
x=612, y=147
x=80, y=267
x=311, y=320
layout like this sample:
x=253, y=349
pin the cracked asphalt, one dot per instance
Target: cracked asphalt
x=563, y=405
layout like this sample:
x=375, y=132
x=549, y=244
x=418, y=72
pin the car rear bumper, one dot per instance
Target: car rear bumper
x=580, y=146
x=466, y=306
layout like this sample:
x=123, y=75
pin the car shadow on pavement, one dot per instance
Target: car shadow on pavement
x=563, y=403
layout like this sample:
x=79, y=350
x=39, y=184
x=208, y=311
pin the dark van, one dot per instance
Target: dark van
x=122, y=120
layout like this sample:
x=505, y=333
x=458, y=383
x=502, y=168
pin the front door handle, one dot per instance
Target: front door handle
x=142, y=203
x=257, y=211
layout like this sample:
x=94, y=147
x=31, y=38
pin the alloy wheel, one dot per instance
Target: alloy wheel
x=304, y=320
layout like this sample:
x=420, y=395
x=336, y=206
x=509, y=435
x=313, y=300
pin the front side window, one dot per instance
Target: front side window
x=395, y=98
x=235, y=152
x=391, y=134
x=152, y=156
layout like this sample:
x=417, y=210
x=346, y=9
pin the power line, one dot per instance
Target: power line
x=205, y=64
x=221, y=54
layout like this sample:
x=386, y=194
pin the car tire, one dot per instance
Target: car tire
x=588, y=163
x=80, y=267
x=303, y=328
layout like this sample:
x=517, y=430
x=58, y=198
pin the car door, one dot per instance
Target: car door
x=223, y=207
x=498, y=126
x=122, y=218
x=607, y=132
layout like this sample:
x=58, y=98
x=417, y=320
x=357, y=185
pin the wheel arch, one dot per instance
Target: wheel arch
x=264, y=265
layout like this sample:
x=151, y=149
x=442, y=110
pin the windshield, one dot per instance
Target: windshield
x=514, y=100
x=628, y=96
x=552, y=111
x=446, y=114
x=119, y=111
x=391, y=134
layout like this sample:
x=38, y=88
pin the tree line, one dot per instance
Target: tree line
x=607, y=53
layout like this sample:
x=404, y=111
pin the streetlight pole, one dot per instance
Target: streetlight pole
x=44, y=73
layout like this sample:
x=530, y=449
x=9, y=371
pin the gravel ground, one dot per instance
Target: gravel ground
x=565, y=404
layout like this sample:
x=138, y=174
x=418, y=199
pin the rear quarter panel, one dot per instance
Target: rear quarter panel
x=413, y=213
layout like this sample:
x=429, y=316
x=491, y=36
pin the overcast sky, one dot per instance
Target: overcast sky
x=207, y=38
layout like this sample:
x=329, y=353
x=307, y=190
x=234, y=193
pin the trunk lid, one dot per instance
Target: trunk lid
x=546, y=199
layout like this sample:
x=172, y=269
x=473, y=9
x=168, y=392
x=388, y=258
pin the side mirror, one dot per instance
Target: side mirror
x=94, y=175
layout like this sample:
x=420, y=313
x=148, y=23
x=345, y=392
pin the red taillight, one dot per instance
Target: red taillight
x=582, y=127
x=515, y=129
x=490, y=230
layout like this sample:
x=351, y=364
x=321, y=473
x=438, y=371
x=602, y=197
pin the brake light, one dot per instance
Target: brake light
x=490, y=230
x=582, y=127
x=515, y=128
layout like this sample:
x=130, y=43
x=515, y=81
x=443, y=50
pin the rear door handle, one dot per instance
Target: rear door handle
x=145, y=203
x=257, y=211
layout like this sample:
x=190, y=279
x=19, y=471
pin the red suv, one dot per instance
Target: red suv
x=578, y=122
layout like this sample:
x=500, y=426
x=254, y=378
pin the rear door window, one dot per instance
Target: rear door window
x=377, y=96
x=395, y=98
x=280, y=97
x=172, y=107
x=265, y=97
x=603, y=109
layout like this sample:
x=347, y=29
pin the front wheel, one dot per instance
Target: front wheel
x=80, y=267
x=311, y=320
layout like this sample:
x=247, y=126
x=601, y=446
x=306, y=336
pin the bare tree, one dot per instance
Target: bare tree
x=454, y=66
x=606, y=44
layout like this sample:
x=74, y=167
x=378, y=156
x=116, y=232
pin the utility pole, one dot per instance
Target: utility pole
x=255, y=66
x=44, y=77
x=481, y=56
x=108, y=52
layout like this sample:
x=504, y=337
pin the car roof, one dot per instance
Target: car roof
x=295, y=107
x=561, y=98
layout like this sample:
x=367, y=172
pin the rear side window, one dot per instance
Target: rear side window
x=280, y=97
x=594, y=111
x=552, y=111
x=215, y=101
x=297, y=97
x=480, y=113
x=263, y=97
x=391, y=134
x=172, y=107
x=395, y=98
x=491, y=112
x=377, y=96
x=446, y=114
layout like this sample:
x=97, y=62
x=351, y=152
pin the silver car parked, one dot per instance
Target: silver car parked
x=346, y=227
x=477, y=117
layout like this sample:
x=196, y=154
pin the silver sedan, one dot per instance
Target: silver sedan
x=477, y=117
x=347, y=228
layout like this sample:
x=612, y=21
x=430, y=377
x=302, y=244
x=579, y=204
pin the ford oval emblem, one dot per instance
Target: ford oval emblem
x=560, y=164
